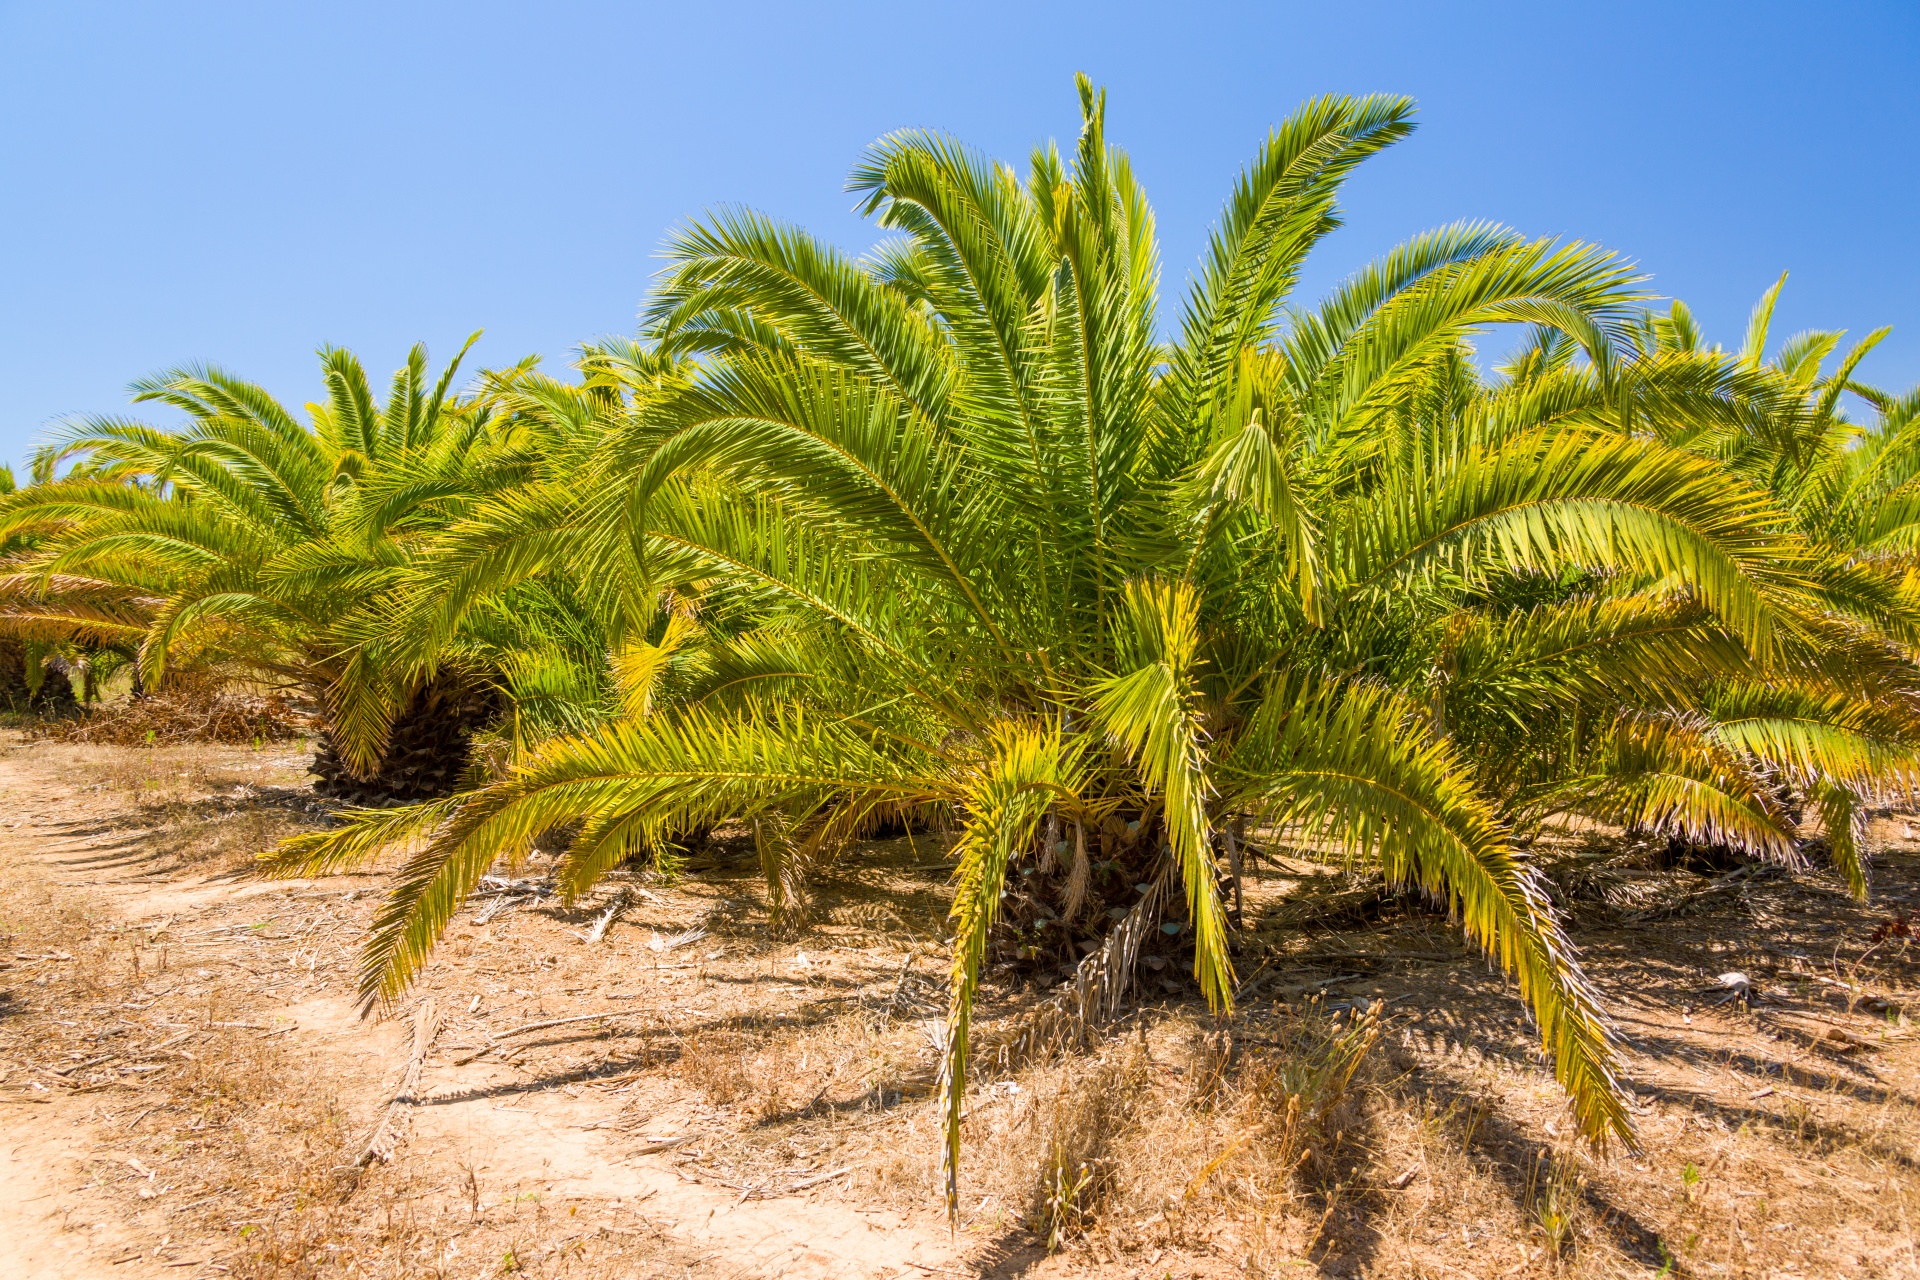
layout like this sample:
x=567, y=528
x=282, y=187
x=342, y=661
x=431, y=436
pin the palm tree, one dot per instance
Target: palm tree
x=41, y=643
x=947, y=530
x=1728, y=743
x=249, y=538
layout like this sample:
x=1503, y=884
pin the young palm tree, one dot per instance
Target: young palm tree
x=949, y=530
x=248, y=537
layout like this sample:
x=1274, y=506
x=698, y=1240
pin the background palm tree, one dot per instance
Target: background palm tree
x=1749, y=744
x=248, y=539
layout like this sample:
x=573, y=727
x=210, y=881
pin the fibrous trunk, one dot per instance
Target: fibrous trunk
x=1064, y=898
x=428, y=748
x=24, y=687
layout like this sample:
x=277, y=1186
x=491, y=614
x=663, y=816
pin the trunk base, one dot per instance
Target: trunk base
x=427, y=754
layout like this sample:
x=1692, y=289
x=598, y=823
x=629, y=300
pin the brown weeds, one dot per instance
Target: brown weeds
x=1082, y=1132
x=185, y=712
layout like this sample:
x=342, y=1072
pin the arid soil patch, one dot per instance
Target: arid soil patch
x=186, y=1089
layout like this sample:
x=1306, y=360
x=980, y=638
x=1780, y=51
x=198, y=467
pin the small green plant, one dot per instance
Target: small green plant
x=1064, y=1210
x=1690, y=1175
x=1556, y=1202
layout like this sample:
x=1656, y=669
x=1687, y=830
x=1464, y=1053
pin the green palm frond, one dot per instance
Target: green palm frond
x=808, y=294
x=1576, y=499
x=635, y=783
x=1813, y=735
x=1151, y=708
x=1280, y=208
x=1671, y=775
x=1351, y=768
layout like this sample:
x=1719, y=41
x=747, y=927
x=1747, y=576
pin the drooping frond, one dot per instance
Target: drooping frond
x=1668, y=774
x=1026, y=769
x=1151, y=707
x=1350, y=767
x=634, y=783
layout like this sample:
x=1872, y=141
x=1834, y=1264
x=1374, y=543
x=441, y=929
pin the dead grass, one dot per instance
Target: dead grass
x=207, y=1129
x=208, y=710
x=1415, y=1131
x=206, y=808
x=1375, y=1108
x=1078, y=1147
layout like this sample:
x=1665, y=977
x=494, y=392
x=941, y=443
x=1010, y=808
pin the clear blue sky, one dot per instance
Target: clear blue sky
x=243, y=182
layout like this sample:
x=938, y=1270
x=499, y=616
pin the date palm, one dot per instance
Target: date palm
x=249, y=538
x=949, y=530
x=1727, y=744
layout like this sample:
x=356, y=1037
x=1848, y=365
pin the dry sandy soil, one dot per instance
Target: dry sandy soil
x=186, y=1090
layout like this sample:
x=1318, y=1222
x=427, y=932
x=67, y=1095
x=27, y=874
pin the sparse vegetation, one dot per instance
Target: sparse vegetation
x=1378, y=1112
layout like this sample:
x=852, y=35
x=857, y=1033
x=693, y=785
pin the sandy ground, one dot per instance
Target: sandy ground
x=222, y=958
x=186, y=1088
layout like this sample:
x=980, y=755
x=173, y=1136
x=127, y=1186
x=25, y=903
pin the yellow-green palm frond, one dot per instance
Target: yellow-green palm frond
x=1844, y=822
x=639, y=665
x=1587, y=651
x=1812, y=735
x=1576, y=499
x=58, y=606
x=1281, y=207
x=360, y=836
x=632, y=783
x=1353, y=768
x=1151, y=707
x=806, y=293
x=1669, y=774
x=1026, y=769
x=1251, y=468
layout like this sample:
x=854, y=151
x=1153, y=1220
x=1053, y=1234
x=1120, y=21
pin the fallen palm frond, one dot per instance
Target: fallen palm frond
x=621, y=899
x=387, y=1134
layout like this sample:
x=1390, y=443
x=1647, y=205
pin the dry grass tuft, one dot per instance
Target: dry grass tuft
x=184, y=712
x=1082, y=1132
x=1306, y=1094
x=721, y=1065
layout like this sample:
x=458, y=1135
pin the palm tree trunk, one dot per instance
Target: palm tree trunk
x=1061, y=903
x=428, y=749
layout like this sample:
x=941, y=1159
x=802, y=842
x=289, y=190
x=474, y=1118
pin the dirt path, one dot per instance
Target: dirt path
x=260, y=973
x=79, y=871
